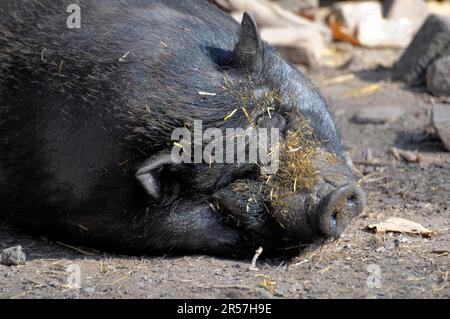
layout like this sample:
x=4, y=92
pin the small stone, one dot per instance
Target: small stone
x=13, y=256
x=441, y=122
x=89, y=291
x=294, y=288
x=403, y=240
x=378, y=115
x=390, y=244
x=141, y=285
x=438, y=77
x=380, y=249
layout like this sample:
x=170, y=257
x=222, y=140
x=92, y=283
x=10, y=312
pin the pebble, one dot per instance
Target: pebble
x=89, y=291
x=13, y=256
x=438, y=77
x=390, y=244
x=294, y=288
x=141, y=285
x=378, y=115
x=441, y=122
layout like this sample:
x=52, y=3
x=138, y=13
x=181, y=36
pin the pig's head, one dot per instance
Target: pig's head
x=312, y=194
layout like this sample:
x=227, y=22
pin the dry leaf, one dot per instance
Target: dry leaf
x=401, y=225
x=340, y=32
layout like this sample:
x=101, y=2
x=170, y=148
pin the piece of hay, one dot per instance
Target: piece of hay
x=340, y=79
x=269, y=285
x=364, y=91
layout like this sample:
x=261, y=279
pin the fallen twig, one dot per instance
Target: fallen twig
x=84, y=251
x=255, y=258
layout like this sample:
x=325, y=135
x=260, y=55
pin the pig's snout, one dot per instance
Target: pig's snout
x=339, y=208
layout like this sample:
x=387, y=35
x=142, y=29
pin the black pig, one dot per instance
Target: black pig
x=87, y=116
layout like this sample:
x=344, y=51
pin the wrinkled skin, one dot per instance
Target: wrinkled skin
x=86, y=122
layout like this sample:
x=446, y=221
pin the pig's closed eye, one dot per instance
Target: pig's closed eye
x=274, y=120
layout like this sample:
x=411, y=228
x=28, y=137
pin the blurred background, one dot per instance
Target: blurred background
x=304, y=28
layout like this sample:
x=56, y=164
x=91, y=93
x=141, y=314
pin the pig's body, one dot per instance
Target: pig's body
x=82, y=110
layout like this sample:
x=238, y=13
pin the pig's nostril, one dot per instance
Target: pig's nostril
x=334, y=218
x=352, y=203
x=339, y=209
x=352, y=198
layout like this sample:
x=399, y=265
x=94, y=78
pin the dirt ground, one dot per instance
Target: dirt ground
x=407, y=266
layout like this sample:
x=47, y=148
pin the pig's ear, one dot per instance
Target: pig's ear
x=149, y=174
x=248, y=52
